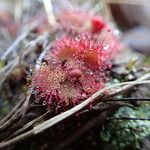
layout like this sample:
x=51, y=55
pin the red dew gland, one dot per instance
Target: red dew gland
x=75, y=73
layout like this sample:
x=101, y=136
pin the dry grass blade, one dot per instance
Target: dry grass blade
x=13, y=112
x=28, y=125
x=50, y=13
x=37, y=66
x=130, y=100
x=7, y=70
x=17, y=41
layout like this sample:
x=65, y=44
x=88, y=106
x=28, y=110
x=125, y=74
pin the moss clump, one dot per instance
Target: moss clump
x=127, y=134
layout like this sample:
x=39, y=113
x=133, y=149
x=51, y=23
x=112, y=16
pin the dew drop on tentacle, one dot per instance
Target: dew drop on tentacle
x=44, y=102
x=84, y=95
x=91, y=73
x=48, y=92
x=36, y=91
x=116, y=32
x=106, y=47
x=43, y=95
x=37, y=99
x=49, y=101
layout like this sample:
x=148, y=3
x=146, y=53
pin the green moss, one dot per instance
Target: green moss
x=2, y=64
x=124, y=134
x=146, y=60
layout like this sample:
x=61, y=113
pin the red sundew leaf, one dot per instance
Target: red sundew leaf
x=73, y=18
x=90, y=84
x=97, y=24
x=69, y=92
x=75, y=73
x=66, y=48
x=48, y=79
x=50, y=83
x=92, y=59
x=83, y=49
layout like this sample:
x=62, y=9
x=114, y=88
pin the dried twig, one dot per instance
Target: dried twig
x=11, y=121
x=128, y=118
x=131, y=99
x=16, y=116
x=28, y=125
x=65, y=142
x=37, y=66
x=4, y=75
x=6, y=71
x=91, y=123
x=50, y=13
x=13, y=112
x=125, y=88
x=17, y=41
